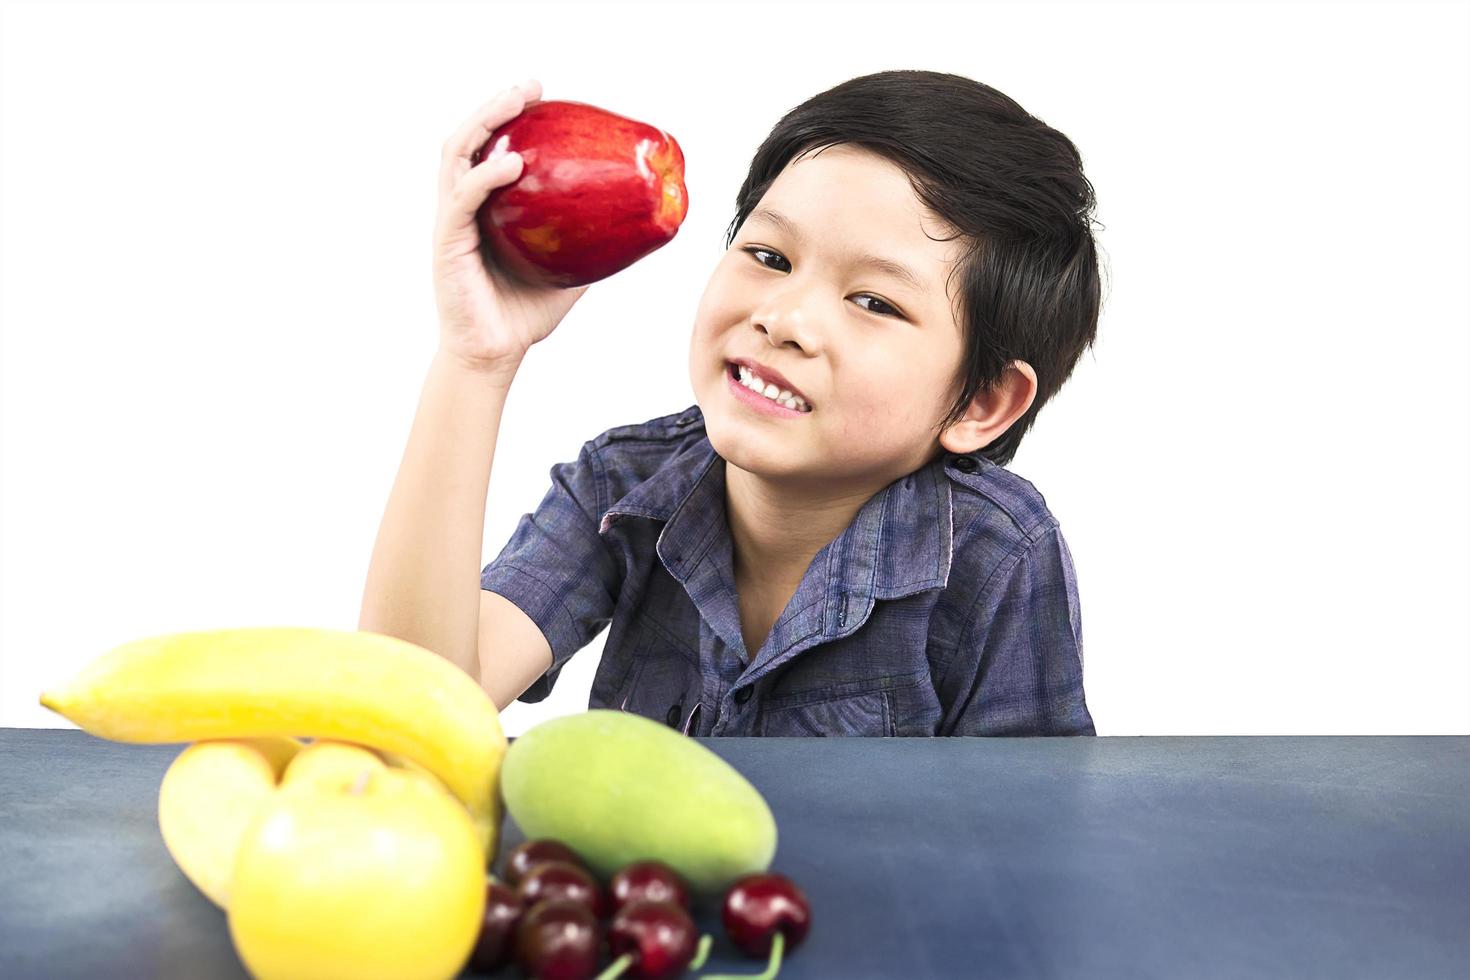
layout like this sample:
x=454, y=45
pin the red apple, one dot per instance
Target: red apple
x=597, y=192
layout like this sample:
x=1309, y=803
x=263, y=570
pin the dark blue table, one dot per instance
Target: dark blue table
x=960, y=857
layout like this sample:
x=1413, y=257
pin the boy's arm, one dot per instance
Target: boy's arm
x=422, y=583
x=1019, y=668
x=557, y=570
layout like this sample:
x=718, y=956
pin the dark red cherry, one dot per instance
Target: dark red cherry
x=758, y=906
x=496, y=943
x=648, y=881
x=558, y=939
x=660, y=938
x=527, y=854
x=558, y=879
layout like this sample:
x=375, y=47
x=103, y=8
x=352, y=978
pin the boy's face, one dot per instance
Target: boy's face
x=876, y=357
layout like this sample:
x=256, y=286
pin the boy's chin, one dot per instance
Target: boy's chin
x=767, y=456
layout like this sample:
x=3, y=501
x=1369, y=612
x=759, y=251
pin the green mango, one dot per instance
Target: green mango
x=617, y=787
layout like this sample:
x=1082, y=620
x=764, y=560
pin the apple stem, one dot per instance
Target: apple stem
x=701, y=954
x=616, y=967
x=778, y=943
x=361, y=782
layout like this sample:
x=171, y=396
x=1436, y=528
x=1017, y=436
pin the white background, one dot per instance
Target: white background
x=217, y=316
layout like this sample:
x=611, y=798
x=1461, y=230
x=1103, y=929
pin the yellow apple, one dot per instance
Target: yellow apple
x=404, y=762
x=371, y=872
x=206, y=799
x=331, y=759
x=334, y=759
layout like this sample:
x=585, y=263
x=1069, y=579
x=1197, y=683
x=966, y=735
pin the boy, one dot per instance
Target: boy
x=827, y=542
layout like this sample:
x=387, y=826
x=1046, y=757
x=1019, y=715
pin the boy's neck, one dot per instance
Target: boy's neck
x=773, y=536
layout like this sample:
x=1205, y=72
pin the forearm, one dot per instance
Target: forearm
x=423, y=582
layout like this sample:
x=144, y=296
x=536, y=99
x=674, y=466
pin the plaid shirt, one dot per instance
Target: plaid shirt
x=947, y=607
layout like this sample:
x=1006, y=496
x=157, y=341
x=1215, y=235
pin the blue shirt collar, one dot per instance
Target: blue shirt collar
x=899, y=543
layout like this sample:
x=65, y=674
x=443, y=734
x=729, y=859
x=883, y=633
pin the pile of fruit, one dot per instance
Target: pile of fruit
x=365, y=851
x=550, y=918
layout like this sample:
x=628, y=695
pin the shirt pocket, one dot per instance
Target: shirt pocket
x=869, y=714
x=661, y=682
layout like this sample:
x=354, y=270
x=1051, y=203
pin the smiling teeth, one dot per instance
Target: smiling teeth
x=783, y=398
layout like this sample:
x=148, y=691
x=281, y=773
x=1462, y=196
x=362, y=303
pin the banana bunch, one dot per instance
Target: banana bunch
x=244, y=696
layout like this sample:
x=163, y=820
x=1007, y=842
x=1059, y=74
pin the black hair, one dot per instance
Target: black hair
x=1011, y=186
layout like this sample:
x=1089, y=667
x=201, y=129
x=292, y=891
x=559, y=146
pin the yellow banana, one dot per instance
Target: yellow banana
x=207, y=798
x=362, y=687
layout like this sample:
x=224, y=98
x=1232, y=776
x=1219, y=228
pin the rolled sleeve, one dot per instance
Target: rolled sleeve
x=558, y=570
x=1019, y=670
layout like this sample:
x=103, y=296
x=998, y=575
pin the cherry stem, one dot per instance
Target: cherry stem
x=616, y=967
x=701, y=954
x=778, y=943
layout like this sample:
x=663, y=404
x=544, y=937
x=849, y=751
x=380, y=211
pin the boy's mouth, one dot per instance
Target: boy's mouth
x=767, y=384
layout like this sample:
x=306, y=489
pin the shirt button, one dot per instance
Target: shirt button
x=674, y=713
x=966, y=464
x=742, y=695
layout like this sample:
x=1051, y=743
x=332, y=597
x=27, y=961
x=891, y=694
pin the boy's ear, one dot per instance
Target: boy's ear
x=991, y=412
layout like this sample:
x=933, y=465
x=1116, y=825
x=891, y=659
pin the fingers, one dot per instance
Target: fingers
x=472, y=134
x=456, y=226
x=470, y=192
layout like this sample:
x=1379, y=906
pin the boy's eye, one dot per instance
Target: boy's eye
x=756, y=251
